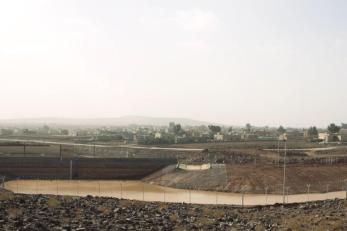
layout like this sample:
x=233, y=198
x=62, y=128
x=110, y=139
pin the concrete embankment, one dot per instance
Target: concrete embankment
x=80, y=168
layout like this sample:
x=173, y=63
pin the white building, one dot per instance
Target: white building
x=218, y=137
x=157, y=135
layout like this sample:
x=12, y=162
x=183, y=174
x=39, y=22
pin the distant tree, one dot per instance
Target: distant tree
x=281, y=130
x=332, y=128
x=214, y=129
x=230, y=129
x=177, y=128
x=312, y=131
x=248, y=127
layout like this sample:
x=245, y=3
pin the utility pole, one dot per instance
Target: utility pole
x=284, y=170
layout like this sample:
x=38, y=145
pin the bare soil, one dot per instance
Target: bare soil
x=253, y=178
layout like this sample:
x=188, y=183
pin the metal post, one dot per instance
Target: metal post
x=308, y=190
x=266, y=189
x=243, y=198
x=216, y=198
x=284, y=171
x=70, y=169
x=57, y=186
x=327, y=188
x=278, y=152
x=24, y=149
x=94, y=150
x=3, y=181
x=190, y=197
x=99, y=187
x=164, y=196
x=121, y=191
x=287, y=194
x=60, y=153
x=143, y=192
x=78, y=191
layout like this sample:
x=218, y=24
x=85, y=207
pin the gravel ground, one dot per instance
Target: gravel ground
x=44, y=212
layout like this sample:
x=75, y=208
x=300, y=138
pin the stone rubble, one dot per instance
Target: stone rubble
x=58, y=213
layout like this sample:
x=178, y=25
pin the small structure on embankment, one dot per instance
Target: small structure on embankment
x=194, y=167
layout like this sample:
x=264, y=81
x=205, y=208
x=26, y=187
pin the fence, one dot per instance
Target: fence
x=65, y=150
x=136, y=190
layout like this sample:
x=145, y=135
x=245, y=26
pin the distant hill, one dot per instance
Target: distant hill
x=118, y=121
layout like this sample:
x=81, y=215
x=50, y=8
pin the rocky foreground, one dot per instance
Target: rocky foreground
x=43, y=212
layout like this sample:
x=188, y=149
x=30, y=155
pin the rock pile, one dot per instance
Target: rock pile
x=42, y=212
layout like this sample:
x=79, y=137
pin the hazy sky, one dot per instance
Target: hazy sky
x=264, y=62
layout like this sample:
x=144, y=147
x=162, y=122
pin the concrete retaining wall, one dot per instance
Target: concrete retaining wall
x=81, y=168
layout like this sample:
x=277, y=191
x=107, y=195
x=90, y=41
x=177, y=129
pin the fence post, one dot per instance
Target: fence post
x=287, y=194
x=190, y=197
x=243, y=198
x=3, y=182
x=143, y=191
x=77, y=185
x=327, y=188
x=70, y=169
x=57, y=186
x=266, y=189
x=60, y=153
x=99, y=188
x=308, y=191
x=216, y=198
x=121, y=190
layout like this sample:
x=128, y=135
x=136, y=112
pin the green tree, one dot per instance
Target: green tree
x=230, y=129
x=312, y=132
x=214, y=129
x=332, y=128
x=177, y=128
x=281, y=130
x=248, y=127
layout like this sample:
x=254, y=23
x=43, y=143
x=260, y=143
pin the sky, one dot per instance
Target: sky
x=264, y=62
